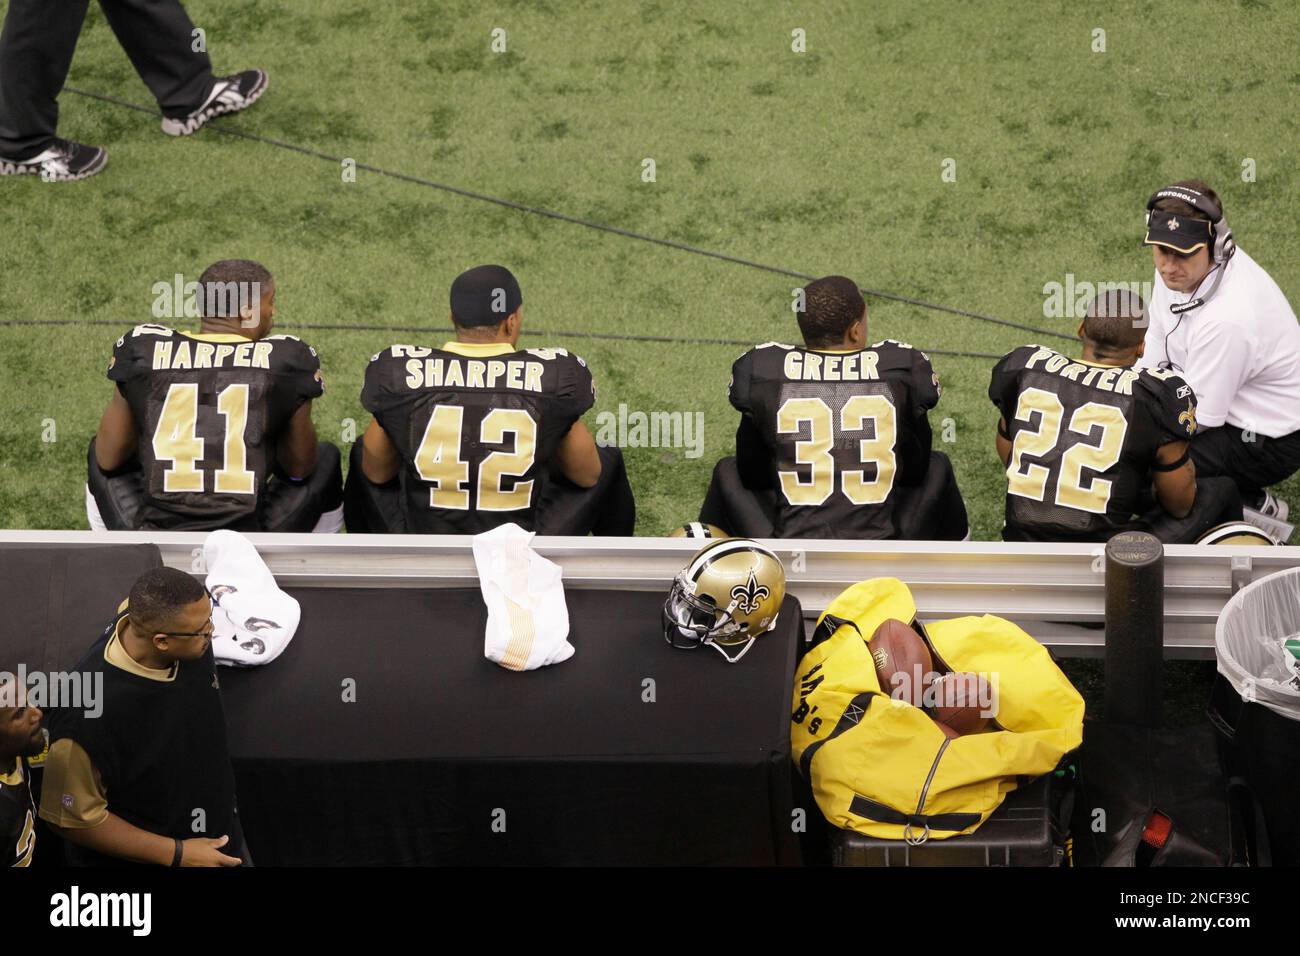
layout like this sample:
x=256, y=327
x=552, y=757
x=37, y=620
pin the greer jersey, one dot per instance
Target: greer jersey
x=476, y=426
x=209, y=409
x=17, y=816
x=1083, y=440
x=843, y=429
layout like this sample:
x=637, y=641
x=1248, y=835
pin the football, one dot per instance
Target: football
x=903, y=662
x=947, y=731
x=959, y=699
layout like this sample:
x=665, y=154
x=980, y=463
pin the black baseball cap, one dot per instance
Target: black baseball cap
x=484, y=295
x=1183, y=234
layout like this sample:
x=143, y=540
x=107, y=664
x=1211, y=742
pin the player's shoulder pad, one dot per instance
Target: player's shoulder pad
x=291, y=345
x=1166, y=385
x=131, y=352
x=1173, y=396
x=570, y=363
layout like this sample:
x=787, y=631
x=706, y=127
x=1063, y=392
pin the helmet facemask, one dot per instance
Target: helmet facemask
x=691, y=620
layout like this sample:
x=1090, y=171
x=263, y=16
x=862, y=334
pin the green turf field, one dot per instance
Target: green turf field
x=824, y=161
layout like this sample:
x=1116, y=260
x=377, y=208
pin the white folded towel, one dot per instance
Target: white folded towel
x=528, y=620
x=254, y=620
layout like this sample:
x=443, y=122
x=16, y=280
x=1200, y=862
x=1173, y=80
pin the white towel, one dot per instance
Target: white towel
x=254, y=620
x=528, y=620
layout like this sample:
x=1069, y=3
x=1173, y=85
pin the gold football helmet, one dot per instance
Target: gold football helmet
x=729, y=594
x=697, y=529
x=1236, y=532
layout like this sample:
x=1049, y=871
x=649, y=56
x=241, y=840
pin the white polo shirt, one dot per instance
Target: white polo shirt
x=1240, y=351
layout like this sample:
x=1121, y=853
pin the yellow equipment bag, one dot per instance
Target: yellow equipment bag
x=881, y=766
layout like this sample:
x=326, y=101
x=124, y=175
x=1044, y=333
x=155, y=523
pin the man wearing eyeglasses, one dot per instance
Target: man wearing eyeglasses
x=149, y=780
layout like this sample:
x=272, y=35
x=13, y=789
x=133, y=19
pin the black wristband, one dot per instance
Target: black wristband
x=1002, y=431
x=176, y=854
x=1174, y=466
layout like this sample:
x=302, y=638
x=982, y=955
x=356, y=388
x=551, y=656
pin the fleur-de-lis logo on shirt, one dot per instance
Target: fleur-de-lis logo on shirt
x=1188, y=419
x=749, y=594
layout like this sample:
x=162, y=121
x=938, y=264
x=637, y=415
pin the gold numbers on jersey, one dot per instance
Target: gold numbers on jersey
x=815, y=451
x=438, y=459
x=853, y=418
x=176, y=439
x=1070, y=492
x=234, y=477
x=1030, y=480
x=501, y=464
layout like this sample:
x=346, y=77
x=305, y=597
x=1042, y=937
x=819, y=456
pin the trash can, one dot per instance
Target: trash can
x=1256, y=701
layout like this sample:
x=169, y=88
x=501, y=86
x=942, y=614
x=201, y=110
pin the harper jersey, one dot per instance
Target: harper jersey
x=210, y=408
x=1083, y=439
x=844, y=429
x=17, y=816
x=476, y=426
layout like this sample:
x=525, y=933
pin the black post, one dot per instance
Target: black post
x=1135, y=631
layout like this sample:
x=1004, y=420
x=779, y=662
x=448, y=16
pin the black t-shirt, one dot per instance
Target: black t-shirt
x=1084, y=438
x=160, y=748
x=476, y=428
x=17, y=816
x=210, y=409
x=843, y=429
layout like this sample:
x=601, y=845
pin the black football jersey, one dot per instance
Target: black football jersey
x=476, y=428
x=1083, y=439
x=210, y=409
x=844, y=429
x=17, y=817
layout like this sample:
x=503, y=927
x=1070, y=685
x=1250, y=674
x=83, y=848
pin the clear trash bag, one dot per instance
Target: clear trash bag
x=1251, y=642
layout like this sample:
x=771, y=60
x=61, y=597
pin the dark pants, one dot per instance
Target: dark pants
x=607, y=509
x=1217, y=501
x=36, y=48
x=931, y=511
x=291, y=506
x=1253, y=461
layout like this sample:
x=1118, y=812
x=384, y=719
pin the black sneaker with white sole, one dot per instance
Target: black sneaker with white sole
x=230, y=95
x=62, y=161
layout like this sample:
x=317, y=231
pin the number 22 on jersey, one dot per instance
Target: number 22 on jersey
x=176, y=439
x=1029, y=480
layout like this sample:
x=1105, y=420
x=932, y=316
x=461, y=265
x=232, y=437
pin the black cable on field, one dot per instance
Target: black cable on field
x=588, y=223
x=555, y=333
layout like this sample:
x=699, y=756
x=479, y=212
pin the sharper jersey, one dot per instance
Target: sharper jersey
x=1240, y=351
x=844, y=429
x=476, y=426
x=17, y=816
x=210, y=409
x=1083, y=439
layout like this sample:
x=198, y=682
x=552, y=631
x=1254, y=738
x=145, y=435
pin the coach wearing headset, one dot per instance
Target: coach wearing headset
x=1220, y=321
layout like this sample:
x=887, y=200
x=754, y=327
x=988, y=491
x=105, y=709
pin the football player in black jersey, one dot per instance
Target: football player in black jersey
x=479, y=432
x=212, y=429
x=20, y=737
x=1088, y=441
x=834, y=439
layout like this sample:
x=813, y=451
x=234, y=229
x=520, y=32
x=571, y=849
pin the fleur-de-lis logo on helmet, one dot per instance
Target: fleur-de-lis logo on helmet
x=749, y=594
